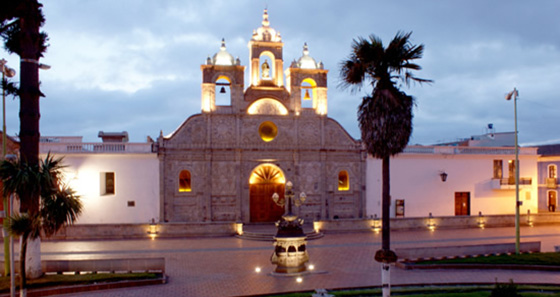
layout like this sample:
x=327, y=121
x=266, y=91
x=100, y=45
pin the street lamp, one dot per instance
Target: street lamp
x=6, y=72
x=514, y=94
x=8, y=245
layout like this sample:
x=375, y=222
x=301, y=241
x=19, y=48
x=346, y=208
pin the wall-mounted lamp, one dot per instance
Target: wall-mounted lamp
x=529, y=219
x=239, y=228
x=376, y=224
x=152, y=232
x=443, y=176
x=480, y=222
x=431, y=225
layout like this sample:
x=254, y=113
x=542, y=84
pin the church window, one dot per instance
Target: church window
x=185, y=181
x=268, y=131
x=107, y=180
x=343, y=181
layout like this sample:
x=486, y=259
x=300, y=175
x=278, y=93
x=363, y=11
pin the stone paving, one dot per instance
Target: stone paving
x=216, y=267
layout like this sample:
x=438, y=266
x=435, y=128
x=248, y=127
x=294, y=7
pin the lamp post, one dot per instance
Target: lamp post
x=6, y=72
x=8, y=205
x=514, y=94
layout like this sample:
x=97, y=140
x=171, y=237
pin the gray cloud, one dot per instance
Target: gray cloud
x=135, y=65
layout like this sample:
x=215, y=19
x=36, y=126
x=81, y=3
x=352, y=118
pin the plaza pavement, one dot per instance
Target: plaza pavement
x=216, y=267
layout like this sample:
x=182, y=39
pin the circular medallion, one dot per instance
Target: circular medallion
x=268, y=131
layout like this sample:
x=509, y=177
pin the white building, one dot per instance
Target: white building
x=118, y=182
x=453, y=180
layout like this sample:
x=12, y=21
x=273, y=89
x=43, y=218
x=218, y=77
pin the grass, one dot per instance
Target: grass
x=545, y=259
x=81, y=279
x=455, y=291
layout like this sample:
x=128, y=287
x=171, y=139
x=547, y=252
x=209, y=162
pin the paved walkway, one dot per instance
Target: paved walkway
x=215, y=267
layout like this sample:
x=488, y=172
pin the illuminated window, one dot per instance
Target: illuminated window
x=185, y=181
x=343, y=181
x=107, y=183
x=552, y=171
x=268, y=131
x=498, y=169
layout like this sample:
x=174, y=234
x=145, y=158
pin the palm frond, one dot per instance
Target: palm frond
x=60, y=209
x=24, y=225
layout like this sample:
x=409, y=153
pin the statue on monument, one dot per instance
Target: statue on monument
x=265, y=69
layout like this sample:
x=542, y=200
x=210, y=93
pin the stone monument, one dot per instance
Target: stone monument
x=290, y=245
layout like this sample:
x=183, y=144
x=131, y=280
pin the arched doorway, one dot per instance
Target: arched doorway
x=265, y=180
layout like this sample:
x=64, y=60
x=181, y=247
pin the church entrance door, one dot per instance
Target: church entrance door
x=266, y=180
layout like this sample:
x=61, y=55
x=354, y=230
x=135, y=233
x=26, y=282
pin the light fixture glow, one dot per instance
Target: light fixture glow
x=258, y=270
x=299, y=280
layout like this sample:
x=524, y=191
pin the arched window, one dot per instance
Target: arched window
x=343, y=181
x=185, y=181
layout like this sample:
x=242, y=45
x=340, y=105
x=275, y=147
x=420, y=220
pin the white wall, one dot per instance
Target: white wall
x=136, y=179
x=416, y=179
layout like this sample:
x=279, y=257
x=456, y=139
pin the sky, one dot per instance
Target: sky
x=134, y=65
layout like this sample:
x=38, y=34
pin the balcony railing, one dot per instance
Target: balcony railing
x=552, y=182
x=107, y=148
x=509, y=183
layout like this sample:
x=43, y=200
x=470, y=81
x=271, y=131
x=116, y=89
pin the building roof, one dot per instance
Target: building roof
x=549, y=150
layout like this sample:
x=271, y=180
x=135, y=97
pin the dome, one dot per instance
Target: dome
x=265, y=33
x=223, y=57
x=306, y=61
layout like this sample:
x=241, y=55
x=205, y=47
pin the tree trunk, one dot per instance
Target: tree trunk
x=33, y=261
x=386, y=227
x=386, y=207
x=29, y=94
x=22, y=255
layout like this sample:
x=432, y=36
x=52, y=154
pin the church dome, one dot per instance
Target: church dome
x=223, y=57
x=306, y=61
x=265, y=33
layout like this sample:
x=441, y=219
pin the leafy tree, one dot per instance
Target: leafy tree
x=385, y=116
x=59, y=205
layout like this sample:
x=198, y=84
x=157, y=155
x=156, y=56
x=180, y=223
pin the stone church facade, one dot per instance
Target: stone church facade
x=224, y=164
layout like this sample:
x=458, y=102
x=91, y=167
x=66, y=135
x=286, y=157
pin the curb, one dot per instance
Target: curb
x=412, y=265
x=90, y=287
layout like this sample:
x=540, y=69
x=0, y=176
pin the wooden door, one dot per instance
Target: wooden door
x=462, y=203
x=552, y=201
x=263, y=208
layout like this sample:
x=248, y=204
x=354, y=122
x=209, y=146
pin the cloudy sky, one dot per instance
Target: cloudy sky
x=133, y=65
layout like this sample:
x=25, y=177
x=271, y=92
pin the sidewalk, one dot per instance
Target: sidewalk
x=215, y=267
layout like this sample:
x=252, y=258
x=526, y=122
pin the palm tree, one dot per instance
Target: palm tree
x=59, y=205
x=20, y=23
x=385, y=117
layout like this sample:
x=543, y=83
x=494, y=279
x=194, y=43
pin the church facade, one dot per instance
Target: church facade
x=226, y=163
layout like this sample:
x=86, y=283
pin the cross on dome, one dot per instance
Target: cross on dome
x=265, y=33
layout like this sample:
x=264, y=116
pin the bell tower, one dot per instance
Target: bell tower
x=265, y=54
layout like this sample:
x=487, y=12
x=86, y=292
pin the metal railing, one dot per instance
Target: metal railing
x=511, y=181
x=551, y=182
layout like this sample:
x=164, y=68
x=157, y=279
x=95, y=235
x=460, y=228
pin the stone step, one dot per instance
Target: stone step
x=260, y=236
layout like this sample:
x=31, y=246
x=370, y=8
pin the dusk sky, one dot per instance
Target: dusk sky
x=131, y=65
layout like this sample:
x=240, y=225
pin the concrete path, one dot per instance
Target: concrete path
x=215, y=267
